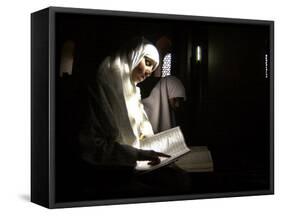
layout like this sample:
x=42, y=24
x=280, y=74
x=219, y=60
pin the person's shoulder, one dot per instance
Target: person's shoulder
x=171, y=79
x=107, y=68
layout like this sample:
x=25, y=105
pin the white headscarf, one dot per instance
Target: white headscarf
x=144, y=50
x=124, y=96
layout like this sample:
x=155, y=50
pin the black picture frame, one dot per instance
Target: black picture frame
x=46, y=42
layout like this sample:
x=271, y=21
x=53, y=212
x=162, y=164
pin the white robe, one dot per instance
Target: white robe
x=156, y=105
x=123, y=96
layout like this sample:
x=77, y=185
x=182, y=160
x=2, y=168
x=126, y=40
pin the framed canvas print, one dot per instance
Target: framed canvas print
x=138, y=107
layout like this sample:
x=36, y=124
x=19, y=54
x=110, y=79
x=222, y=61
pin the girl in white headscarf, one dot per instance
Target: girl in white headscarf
x=117, y=118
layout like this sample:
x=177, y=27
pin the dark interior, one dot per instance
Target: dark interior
x=227, y=106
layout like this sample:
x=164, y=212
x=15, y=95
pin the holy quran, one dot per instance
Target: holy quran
x=170, y=142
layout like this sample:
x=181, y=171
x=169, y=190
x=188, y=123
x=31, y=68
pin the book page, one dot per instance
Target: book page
x=199, y=160
x=170, y=142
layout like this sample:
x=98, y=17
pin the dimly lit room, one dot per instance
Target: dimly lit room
x=224, y=114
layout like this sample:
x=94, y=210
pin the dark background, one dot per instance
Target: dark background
x=227, y=107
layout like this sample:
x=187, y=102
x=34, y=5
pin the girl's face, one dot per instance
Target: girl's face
x=142, y=70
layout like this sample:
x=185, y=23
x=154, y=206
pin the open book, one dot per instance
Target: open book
x=198, y=160
x=170, y=142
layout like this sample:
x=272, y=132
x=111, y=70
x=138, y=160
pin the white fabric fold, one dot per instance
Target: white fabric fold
x=114, y=77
